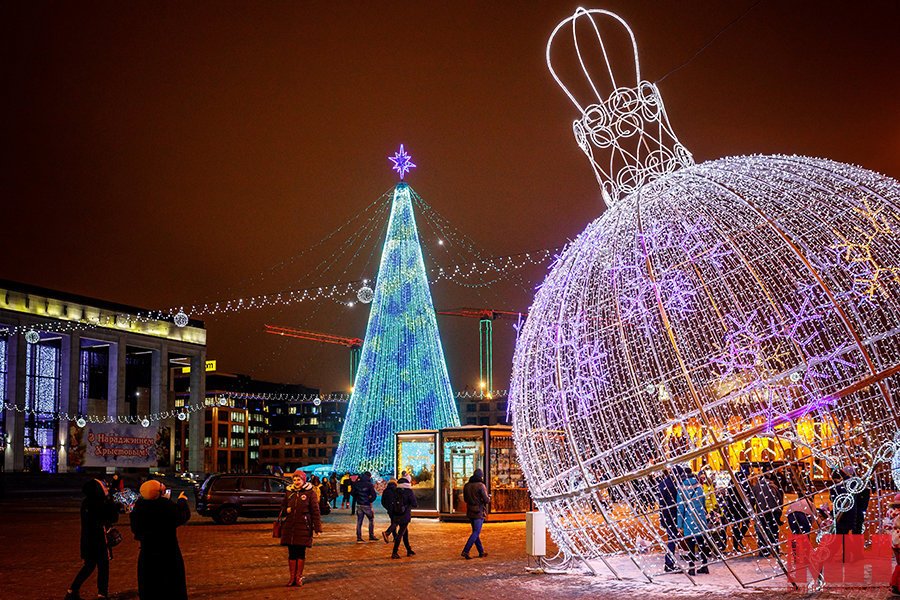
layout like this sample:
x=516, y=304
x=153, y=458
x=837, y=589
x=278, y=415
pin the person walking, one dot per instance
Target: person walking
x=154, y=522
x=692, y=520
x=335, y=489
x=364, y=494
x=387, y=499
x=477, y=503
x=403, y=502
x=346, y=489
x=301, y=518
x=768, y=500
x=98, y=512
x=667, y=496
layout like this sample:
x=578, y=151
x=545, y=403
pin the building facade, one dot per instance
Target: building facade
x=292, y=449
x=239, y=412
x=482, y=409
x=64, y=357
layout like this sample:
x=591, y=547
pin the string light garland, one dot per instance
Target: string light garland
x=183, y=413
x=402, y=382
x=84, y=419
x=338, y=291
x=738, y=312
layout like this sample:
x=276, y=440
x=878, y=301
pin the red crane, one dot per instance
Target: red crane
x=355, y=344
x=486, y=317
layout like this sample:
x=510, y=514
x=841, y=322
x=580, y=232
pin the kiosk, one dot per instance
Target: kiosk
x=441, y=462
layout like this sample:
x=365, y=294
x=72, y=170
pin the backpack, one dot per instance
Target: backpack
x=398, y=505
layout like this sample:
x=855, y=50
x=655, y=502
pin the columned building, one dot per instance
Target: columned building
x=85, y=357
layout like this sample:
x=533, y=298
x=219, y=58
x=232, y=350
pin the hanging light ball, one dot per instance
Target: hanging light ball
x=365, y=294
x=182, y=416
x=223, y=401
x=80, y=422
x=317, y=402
x=716, y=281
x=32, y=336
x=145, y=422
x=181, y=319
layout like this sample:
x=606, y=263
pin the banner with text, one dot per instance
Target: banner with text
x=119, y=445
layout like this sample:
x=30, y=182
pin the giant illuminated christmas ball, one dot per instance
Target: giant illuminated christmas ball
x=740, y=315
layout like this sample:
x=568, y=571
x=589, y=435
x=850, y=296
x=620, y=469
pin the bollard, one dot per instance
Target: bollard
x=535, y=534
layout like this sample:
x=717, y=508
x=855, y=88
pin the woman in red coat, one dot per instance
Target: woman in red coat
x=301, y=519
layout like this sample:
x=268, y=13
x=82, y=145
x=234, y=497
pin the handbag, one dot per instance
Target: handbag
x=277, y=525
x=113, y=537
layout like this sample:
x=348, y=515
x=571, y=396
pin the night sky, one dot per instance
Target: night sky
x=160, y=154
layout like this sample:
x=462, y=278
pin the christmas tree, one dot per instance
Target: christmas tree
x=402, y=382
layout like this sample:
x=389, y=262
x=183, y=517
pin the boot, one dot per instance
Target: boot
x=293, y=566
x=298, y=578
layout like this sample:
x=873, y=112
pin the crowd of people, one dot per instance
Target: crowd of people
x=703, y=519
x=696, y=516
x=154, y=518
x=307, y=500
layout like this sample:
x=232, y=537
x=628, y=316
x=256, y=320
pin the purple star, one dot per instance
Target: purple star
x=402, y=162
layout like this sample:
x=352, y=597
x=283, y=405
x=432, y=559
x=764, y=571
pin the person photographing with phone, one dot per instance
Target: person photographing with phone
x=154, y=521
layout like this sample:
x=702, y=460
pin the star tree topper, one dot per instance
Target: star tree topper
x=402, y=162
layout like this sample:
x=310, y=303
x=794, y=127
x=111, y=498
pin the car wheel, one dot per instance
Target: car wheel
x=227, y=515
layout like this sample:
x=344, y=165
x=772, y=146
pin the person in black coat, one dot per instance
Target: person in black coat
x=387, y=498
x=364, y=495
x=845, y=522
x=477, y=502
x=735, y=511
x=401, y=512
x=98, y=512
x=666, y=495
x=154, y=521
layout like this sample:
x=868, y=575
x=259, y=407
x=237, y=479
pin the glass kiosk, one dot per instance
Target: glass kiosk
x=457, y=452
x=417, y=455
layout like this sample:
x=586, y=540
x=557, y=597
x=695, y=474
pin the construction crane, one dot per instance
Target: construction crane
x=486, y=318
x=355, y=344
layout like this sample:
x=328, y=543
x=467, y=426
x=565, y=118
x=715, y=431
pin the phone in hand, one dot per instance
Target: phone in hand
x=167, y=494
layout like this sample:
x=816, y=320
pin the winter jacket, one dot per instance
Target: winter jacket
x=845, y=522
x=734, y=508
x=346, y=484
x=387, y=497
x=476, y=496
x=97, y=513
x=404, y=489
x=303, y=518
x=667, y=496
x=363, y=491
x=861, y=505
x=691, y=507
x=153, y=523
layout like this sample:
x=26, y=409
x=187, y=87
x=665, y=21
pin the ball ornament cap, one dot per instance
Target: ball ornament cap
x=32, y=336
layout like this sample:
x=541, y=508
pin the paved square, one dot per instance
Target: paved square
x=40, y=556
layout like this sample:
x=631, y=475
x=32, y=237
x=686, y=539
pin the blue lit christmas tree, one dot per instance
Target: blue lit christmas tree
x=402, y=382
